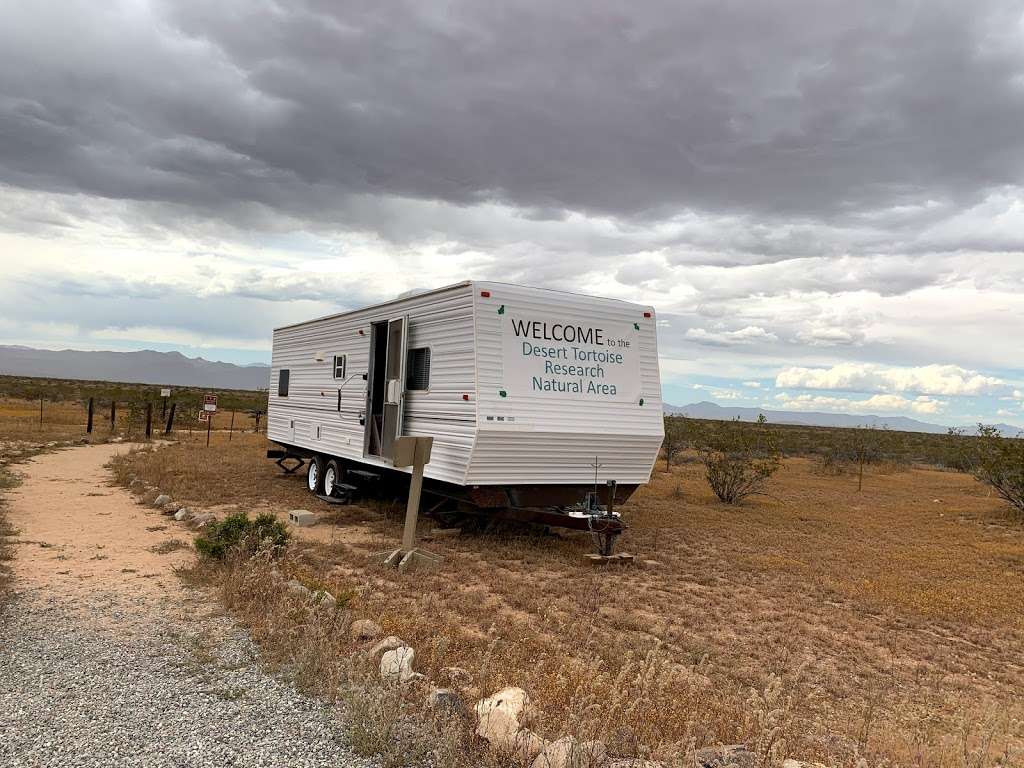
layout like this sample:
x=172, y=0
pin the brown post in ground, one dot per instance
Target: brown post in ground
x=88, y=422
x=170, y=420
x=40, y=410
x=149, y=420
x=113, y=415
x=231, y=428
x=209, y=426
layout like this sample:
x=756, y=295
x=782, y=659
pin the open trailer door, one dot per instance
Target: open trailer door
x=386, y=386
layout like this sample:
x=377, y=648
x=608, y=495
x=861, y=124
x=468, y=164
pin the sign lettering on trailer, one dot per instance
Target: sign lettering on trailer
x=569, y=358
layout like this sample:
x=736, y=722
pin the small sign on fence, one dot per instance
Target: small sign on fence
x=204, y=415
x=165, y=392
x=210, y=403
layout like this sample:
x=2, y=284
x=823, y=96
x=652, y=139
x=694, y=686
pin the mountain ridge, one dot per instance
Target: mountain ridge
x=708, y=410
x=145, y=366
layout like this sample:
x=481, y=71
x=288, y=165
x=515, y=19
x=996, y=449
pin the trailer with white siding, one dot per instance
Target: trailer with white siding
x=542, y=404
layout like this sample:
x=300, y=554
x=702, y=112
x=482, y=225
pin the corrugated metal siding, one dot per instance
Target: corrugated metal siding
x=441, y=320
x=556, y=440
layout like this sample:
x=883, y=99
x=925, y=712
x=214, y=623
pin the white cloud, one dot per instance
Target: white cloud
x=751, y=334
x=867, y=377
x=752, y=384
x=875, y=403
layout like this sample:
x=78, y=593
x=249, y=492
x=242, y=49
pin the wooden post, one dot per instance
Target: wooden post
x=88, y=422
x=40, y=410
x=412, y=508
x=257, y=422
x=170, y=421
x=113, y=415
x=414, y=452
x=231, y=428
x=163, y=409
x=149, y=420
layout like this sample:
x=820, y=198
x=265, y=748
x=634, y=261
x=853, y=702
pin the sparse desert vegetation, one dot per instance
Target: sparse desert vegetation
x=813, y=621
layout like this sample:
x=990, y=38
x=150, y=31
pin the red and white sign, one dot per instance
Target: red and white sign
x=204, y=415
x=210, y=403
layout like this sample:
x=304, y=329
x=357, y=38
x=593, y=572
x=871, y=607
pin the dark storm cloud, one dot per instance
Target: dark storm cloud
x=809, y=111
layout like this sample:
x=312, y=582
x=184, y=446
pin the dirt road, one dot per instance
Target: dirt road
x=106, y=659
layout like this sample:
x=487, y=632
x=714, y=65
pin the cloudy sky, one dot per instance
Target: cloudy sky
x=824, y=200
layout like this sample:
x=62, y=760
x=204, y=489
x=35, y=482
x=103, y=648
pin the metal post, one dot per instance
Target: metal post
x=88, y=423
x=231, y=429
x=163, y=409
x=209, y=426
x=170, y=421
x=149, y=420
x=40, y=410
x=113, y=415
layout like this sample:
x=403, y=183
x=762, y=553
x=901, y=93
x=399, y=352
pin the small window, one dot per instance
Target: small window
x=417, y=369
x=339, y=366
x=282, y=382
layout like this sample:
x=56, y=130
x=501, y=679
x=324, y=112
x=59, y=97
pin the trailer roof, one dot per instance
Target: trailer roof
x=442, y=289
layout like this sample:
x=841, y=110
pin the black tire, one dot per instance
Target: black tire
x=333, y=466
x=315, y=475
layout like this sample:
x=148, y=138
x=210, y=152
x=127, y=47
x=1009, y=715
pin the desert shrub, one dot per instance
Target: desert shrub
x=676, y=436
x=739, y=460
x=237, y=533
x=999, y=463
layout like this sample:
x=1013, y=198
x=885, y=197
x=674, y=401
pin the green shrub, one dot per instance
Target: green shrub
x=1000, y=464
x=237, y=533
x=739, y=460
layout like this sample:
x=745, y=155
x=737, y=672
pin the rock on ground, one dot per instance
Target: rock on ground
x=106, y=681
x=365, y=629
x=396, y=665
x=499, y=717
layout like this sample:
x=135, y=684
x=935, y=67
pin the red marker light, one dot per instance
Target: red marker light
x=647, y=314
x=485, y=294
x=465, y=397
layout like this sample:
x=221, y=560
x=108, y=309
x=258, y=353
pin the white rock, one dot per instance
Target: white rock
x=160, y=500
x=500, y=717
x=396, y=665
x=389, y=643
x=525, y=747
x=365, y=629
x=202, y=519
x=297, y=588
x=791, y=763
x=567, y=752
x=183, y=514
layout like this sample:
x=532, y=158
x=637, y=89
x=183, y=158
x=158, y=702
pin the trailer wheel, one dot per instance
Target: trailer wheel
x=315, y=475
x=332, y=476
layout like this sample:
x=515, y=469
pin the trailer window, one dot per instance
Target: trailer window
x=282, y=382
x=339, y=366
x=417, y=369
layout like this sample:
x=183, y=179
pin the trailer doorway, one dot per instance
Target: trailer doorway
x=385, y=391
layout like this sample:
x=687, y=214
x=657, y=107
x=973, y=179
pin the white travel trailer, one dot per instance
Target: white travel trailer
x=532, y=397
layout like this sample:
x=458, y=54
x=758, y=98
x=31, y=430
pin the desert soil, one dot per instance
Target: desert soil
x=106, y=659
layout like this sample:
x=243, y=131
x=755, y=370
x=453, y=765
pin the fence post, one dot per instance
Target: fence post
x=257, y=422
x=113, y=415
x=170, y=420
x=231, y=428
x=40, y=410
x=88, y=423
x=209, y=426
x=149, y=420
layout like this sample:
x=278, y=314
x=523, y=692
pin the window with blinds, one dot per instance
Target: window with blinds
x=417, y=369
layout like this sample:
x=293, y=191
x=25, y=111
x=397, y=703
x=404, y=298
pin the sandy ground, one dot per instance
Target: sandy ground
x=80, y=534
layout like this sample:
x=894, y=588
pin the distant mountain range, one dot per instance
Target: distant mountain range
x=144, y=367
x=706, y=410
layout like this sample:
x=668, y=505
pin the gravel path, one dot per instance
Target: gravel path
x=112, y=668
x=113, y=683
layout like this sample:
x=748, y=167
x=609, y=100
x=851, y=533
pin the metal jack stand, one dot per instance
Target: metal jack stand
x=414, y=452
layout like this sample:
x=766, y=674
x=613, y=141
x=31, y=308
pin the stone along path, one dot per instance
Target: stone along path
x=107, y=660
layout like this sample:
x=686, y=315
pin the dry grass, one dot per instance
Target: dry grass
x=818, y=622
x=7, y=532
